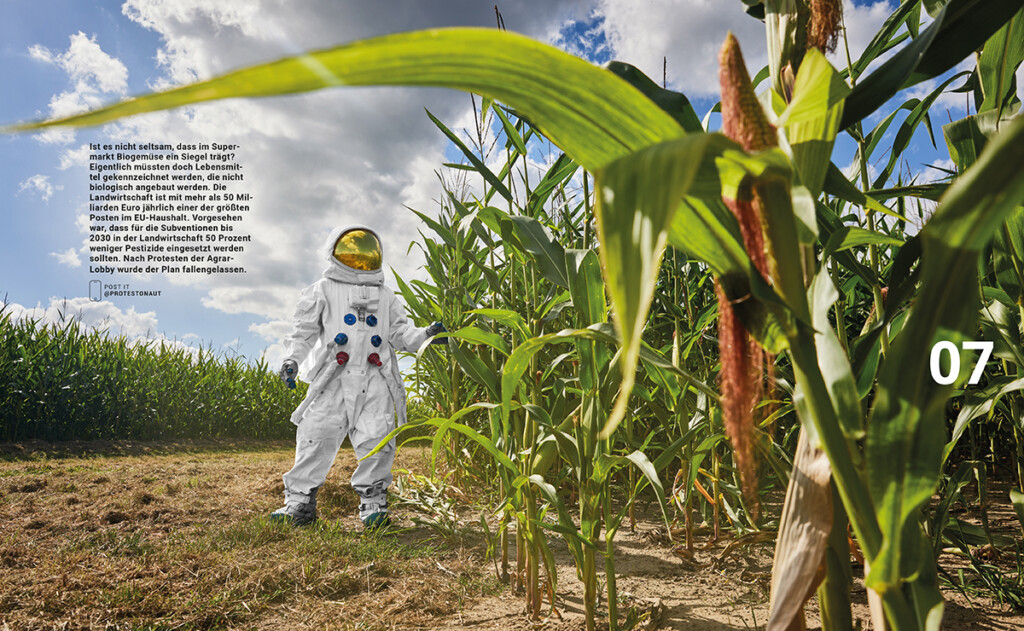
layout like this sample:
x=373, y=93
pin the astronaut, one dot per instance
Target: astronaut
x=356, y=388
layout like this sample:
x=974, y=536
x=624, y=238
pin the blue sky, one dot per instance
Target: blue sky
x=346, y=156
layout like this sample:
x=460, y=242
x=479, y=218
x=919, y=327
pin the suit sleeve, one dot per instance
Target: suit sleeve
x=306, y=327
x=403, y=335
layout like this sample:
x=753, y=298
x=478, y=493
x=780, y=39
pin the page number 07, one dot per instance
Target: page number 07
x=954, y=361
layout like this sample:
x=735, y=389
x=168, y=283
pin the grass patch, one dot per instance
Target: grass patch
x=179, y=542
x=112, y=542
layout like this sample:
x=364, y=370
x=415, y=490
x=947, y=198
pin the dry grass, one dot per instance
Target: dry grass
x=174, y=536
x=180, y=541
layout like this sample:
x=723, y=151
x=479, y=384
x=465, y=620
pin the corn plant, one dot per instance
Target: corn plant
x=536, y=424
x=754, y=207
x=62, y=381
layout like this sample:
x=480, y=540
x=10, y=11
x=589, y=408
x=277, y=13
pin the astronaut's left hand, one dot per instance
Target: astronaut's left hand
x=289, y=372
x=434, y=329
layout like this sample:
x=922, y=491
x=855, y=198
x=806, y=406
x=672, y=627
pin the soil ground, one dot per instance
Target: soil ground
x=173, y=535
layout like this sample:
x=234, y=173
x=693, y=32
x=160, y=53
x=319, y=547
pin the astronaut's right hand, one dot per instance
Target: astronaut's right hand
x=289, y=372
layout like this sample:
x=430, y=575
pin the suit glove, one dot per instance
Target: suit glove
x=289, y=372
x=434, y=329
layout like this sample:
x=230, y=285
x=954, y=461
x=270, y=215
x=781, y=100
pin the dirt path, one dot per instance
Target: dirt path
x=134, y=535
x=704, y=595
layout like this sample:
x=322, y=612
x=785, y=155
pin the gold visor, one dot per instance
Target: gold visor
x=359, y=249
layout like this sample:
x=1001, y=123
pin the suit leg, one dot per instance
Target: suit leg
x=373, y=476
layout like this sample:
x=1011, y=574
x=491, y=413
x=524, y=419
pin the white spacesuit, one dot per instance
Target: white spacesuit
x=355, y=386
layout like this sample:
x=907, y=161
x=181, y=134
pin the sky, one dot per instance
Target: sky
x=314, y=161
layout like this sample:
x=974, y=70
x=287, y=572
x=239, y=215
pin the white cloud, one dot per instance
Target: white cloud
x=56, y=136
x=39, y=184
x=101, y=315
x=91, y=69
x=94, y=76
x=82, y=221
x=358, y=155
x=687, y=34
x=74, y=157
x=956, y=102
x=69, y=258
x=272, y=330
x=1020, y=82
x=274, y=355
x=852, y=170
x=939, y=173
x=862, y=22
x=139, y=328
x=317, y=160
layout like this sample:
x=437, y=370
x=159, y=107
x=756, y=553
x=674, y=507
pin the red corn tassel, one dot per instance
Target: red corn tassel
x=741, y=384
x=825, y=23
x=743, y=120
x=743, y=360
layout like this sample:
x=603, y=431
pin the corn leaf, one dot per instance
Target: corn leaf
x=565, y=526
x=474, y=366
x=479, y=336
x=832, y=359
x=446, y=424
x=922, y=191
x=999, y=60
x=637, y=198
x=561, y=171
x=904, y=444
x=675, y=104
x=852, y=237
x=658, y=363
x=586, y=285
x=590, y=113
x=906, y=131
x=829, y=225
x=546, y=251
x=812, y=119
x=1000, y=322
x=965, y=141
x=883, y=37
x=519, y=360
x=477, y=163
x=837, y=185
x=511, y=132
x=981, y=403
x=1017, y=499
x=1008, y=257
x=966, y=26
x=705, y=229
x=505, y=317
x=588, y=296
x=960, y=28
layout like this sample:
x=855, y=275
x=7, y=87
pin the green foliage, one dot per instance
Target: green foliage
x=538, y=396
x=59, y=381
x=588, y=112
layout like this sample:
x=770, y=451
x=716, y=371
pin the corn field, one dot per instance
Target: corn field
x=62, y=381
x=691, y=320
